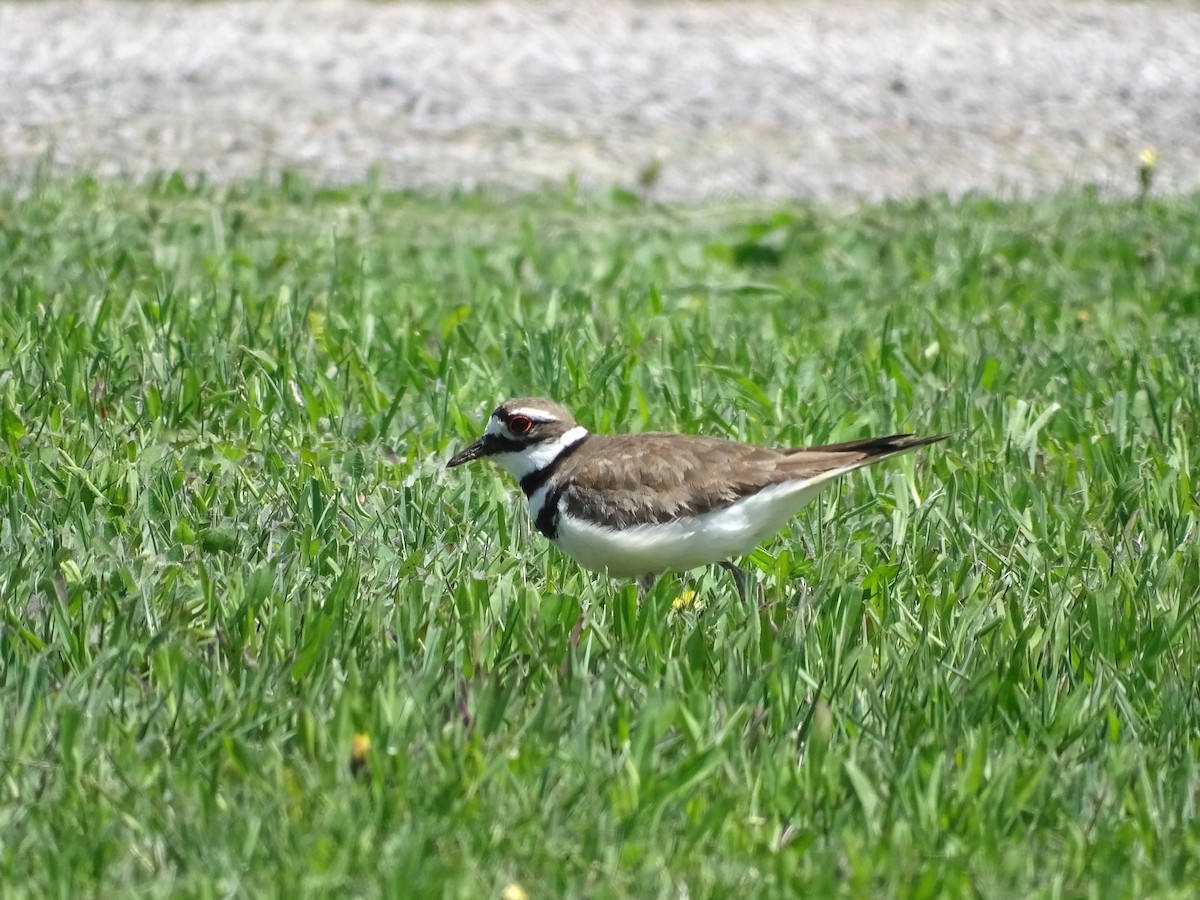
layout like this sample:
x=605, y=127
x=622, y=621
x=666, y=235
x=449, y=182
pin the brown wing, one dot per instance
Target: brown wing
x=810, y=462
x=637, y=479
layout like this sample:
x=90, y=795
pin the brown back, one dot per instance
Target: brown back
x=636, y=479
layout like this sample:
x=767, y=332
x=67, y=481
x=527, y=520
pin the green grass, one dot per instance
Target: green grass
x=228, y=545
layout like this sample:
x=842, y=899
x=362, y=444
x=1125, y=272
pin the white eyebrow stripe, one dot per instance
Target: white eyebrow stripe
x=495, y=427
x=537, y=415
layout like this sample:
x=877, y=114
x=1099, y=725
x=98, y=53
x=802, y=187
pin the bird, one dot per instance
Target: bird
x=640, y=505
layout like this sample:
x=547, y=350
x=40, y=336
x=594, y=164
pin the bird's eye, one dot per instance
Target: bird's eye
x=520, y=424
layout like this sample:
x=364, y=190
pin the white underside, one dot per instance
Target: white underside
x=686, y=543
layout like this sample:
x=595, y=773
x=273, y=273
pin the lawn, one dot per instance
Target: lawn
x=229, y=549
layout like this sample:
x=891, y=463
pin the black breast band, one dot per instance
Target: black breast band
x=538, y=477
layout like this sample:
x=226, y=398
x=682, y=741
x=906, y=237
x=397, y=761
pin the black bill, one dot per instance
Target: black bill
x=476, y=450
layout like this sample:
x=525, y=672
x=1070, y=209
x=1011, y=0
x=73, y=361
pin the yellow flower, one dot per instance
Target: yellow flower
x=1149, y=159
x=513, y=891
x=688, y=600
x=359, y=749
x=316, y=325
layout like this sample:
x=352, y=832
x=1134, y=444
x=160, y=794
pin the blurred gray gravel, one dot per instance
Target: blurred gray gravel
x=816, y=99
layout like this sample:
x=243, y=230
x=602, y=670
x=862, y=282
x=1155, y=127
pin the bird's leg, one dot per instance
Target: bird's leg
x=645, y=583
x=577, y=630
x=804, y=595
x=739, y=578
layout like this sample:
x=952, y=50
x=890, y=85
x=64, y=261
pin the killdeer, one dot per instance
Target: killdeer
x=638, y=505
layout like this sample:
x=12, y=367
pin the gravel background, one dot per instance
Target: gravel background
x=815, y=98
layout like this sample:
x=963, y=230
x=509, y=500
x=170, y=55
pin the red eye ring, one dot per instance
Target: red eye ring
x=520, y=424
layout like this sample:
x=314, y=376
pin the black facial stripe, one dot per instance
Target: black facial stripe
x=538, y=477
x=547, y=518
x=499, y=444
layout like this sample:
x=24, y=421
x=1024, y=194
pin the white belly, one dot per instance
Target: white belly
x=688, y=543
